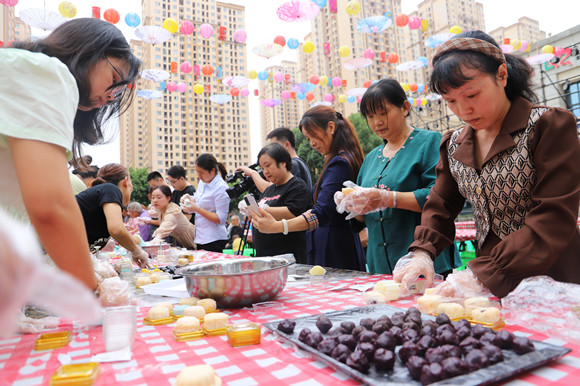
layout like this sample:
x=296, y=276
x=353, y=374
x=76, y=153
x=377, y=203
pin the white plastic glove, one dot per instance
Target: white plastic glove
x=156, y=241
x=115, y=292
x=463, y=284
x=243, y=208
x=103, y=270
x=153, y=213
x=188, y=204
x=28, y=325
x=410, y=267
x=141, y=258
x=25, y=279
x=109, y=247
x=363, y=200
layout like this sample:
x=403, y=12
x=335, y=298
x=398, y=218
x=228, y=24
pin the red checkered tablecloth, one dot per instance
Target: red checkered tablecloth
x=158, y=358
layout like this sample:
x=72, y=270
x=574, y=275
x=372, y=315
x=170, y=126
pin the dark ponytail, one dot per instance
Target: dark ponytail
x=111, y=173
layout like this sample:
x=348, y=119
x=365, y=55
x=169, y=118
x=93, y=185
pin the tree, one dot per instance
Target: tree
x=139, y=179
x=313, y=159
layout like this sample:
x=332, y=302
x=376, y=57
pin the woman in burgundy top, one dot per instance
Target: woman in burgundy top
x=517, y=163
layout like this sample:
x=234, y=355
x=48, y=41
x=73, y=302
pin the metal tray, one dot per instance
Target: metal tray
x=512, y=365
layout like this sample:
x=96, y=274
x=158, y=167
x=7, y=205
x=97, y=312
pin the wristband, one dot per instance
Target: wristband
x=394, y=199
x=285, y=224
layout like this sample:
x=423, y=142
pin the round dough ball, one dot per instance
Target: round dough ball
x=198, y=375
x=191, y=301
x=167, y=305
x=209, y=305
x=187, y=324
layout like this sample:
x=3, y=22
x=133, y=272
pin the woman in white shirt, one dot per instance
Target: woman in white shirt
x=55, y=95
x=210, y=204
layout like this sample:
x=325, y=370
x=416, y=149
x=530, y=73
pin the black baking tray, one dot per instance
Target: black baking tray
x=512, y=365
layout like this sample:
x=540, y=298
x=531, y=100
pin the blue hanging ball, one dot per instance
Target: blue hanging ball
x=132, y=19
x=320, y=3
x=293, y=43
x=300, y=95
x=263, y=75
x=351, y=99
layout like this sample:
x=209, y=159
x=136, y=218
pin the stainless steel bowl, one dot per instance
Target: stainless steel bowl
x=238, y=283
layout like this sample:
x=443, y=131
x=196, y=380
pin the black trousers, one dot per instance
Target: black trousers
x=214, y=246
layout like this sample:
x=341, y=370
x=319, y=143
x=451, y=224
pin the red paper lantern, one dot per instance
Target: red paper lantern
x=173, y=68
x=314, y=79
x=367, y=84
x=402, y=20
x=234, y=91
x=112, y=16
x=414, y=87
x=280, y=40
x=393, y=58
x=309, y=96
x=207, y=70
x=96, y=12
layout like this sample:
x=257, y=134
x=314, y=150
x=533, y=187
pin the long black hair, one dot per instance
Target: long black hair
x=80, y=44
x=448, y=70
x=208, y=162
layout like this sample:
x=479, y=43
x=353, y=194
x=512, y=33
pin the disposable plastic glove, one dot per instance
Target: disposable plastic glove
x=115, y=292
x=109, y=247
x=141, y=258
x=103, y=270
x=156, y=241
x=363, y=200
x=243, y=208
x=25, y=279
x=188, y=204
x=463, y=284
x=410, y=267
x=28, y=325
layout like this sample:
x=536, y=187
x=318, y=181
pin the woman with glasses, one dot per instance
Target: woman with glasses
x=55, y=95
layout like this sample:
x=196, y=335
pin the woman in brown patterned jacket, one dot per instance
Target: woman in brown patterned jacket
x=517, y=162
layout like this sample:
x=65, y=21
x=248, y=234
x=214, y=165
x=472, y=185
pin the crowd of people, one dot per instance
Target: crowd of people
x=514, y=160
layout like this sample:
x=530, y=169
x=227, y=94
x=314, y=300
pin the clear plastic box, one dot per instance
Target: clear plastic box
x=119, y=327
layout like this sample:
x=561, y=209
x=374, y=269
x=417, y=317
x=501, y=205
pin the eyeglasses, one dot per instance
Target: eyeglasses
x=116, y=91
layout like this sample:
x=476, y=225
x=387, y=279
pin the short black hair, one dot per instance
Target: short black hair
x=177, y=171
x=385, y=90
x=283, y=134
x=278, y=154
x=154, y=175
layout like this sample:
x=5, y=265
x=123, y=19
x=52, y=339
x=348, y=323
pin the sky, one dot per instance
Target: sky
x=262, y=25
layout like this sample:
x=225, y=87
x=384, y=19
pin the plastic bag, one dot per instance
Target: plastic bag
x=116, y=292
x=543, y=304
x=24, y=278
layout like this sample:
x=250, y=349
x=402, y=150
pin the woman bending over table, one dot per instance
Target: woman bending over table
x=516, y=162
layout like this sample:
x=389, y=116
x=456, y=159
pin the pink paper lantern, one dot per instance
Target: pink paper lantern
x=336, y=81
x=240, y=36
x=9, y=3
x=285, y=94
x=414, y=22
x=369, y=53
x=186, y=27
x=181, y=87
x=206, y=31
x=186, y=67
x=328, y=97
x=245, y=92
x=170, y=86
x=558, y=51
x=279, y=76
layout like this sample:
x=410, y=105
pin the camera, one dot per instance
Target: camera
x=246, y=184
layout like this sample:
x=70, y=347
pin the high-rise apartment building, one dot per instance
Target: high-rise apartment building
x=11, y=27
x=287, y=114
x=178, y=127
x=525, y=29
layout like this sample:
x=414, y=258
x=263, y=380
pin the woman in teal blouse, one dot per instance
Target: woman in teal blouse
x=398, y=176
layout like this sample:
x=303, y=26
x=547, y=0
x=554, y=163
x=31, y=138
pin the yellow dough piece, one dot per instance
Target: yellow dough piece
x=182, y=261
x=429, y=303
x=141, y=281
x=429, y=291
x=317, y=270
x=453, y=310
x=215, y=321
x=485, y=315
x=346, y=191
x=389, y=289
x=191, y=301
x=187, y=324
x=198, y=375
x=158, y=312
x=472, y=303
x=374, y=297
x=209, y=305
x=197, y=311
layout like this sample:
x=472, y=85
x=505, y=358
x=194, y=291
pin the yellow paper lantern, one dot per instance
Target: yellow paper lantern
x=308, y=47
x=353, y=7
x=455, y=29
x=67, y=9
x=342, y=98
x=252, y=74
x=171, y=25
x=323, y=80
x=406, y=86
x=424, y=101
x=344, y=51
x=198, y=88
x=424, y=25
x=547, y=49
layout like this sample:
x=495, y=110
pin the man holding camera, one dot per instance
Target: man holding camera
x=284, y=137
